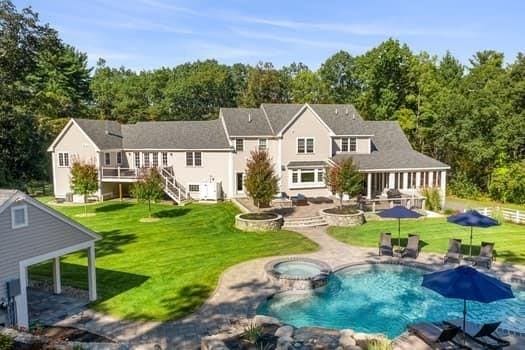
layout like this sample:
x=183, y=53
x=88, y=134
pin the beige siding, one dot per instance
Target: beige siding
x=44, y=234
x=78, y=146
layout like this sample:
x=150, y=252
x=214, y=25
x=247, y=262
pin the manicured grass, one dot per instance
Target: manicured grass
x=435, y=233
x=454, y=202
x=164, y=270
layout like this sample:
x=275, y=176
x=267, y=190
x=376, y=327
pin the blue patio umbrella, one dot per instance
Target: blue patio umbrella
x=473, y=219
x=467, y=283
x=399, y=212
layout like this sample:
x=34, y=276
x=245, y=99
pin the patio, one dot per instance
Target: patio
x=47, y=308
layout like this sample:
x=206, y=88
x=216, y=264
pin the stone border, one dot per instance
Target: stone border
x=273, y=224
x=348, y=220
x=269, y=267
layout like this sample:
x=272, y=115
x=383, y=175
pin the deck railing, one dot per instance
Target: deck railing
x=119, y=173
x=378, y=204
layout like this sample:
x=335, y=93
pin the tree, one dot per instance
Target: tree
x=265, y=85
x=508, y=183
x=344, y=178
x=339, y=73
x=307, y=87
x=84, y=180
x=261, y=181
x=149, y=188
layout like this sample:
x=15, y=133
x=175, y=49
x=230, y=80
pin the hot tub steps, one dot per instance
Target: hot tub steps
x=311, y=221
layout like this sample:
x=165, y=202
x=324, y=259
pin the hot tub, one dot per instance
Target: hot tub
x=298, y=273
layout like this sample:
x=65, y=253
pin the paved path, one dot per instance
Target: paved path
x=241, y=288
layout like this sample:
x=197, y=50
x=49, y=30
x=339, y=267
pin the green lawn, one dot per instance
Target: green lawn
x=164, y=270
x=435, y=233
x=454, y=202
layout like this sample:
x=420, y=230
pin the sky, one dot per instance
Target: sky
x=146, y=34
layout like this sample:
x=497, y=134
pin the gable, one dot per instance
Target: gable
x=72, y=137
x=306, y=122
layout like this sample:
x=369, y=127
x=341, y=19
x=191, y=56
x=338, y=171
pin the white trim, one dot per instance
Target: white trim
x=305, y=138
x=53, y=162
x=231, y=149
x=26, y=219
x=352, y=135
x=298, y=185
x=54, y=254
x=231, y=171
x=400, y=169
x=280, y=161
x=63, y=158
x=259, y=144
x=235, y=144
x=301, y=110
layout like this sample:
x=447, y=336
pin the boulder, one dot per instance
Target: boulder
x=284, y=331
x=260, y=320
x=347, y=340
x=284, y=343
x=213, y=344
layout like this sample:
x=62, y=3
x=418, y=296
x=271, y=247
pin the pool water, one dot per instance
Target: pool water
x=385, y=299
x=300, y=269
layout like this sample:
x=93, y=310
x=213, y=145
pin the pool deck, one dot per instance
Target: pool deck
x=242, y=287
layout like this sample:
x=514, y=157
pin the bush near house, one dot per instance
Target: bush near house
x=432, y=197
x=343, y=178
x=149, y=188
x=261, y=181
x=84, y=180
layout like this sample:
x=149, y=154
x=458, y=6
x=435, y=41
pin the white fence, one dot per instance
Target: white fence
x=507, y=214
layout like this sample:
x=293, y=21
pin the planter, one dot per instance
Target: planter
x=259, y=221
x=342, y=219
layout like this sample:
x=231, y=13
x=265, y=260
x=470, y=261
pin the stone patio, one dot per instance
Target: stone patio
x=241, y=288
x=314, y=205
x=48, y=308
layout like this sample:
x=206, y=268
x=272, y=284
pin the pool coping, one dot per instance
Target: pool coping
x=325, y=269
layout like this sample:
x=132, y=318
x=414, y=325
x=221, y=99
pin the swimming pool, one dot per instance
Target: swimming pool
x=384, y=298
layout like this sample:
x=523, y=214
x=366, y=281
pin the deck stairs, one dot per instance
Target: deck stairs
x=311, y=221
x=173, y=188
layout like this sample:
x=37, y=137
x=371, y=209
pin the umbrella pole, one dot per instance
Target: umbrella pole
x=399, y=233
x=470, y=249
x=464, y=321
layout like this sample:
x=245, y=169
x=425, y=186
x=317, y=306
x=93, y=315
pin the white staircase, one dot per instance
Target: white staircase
x=172, y=187
x=311, y=221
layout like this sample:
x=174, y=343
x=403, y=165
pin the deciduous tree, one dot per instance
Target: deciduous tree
x=261, y=181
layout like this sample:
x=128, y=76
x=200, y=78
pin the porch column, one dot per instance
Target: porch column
x=443, y=187
x=120, y=191
x=391, y=180
x=430, y=180
x=92, y=276
x=22, y=312
x=57, y=281
x=405, y=181
x=418, y=179
x=369, y=186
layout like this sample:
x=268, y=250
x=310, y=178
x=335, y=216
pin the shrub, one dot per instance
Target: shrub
x=463, y=187
x=6, y=342
x=433, y=198
x=344, y=178
x=507, y=183
x=252, y=333
x=84, y=180
x=261, y=182
x=149, y=188
x=379, y=344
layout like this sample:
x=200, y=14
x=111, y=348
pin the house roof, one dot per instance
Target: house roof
x=307, y=164
x=106, y=134
x=246, y=122
x=390, y=150
x=5, y=195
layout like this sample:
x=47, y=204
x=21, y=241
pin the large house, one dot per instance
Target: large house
x=207, y=159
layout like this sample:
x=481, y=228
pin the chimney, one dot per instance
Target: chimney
x=249, y=117
x=353, y=116
x=106, y=127
x=335, y=111
x=346, y=111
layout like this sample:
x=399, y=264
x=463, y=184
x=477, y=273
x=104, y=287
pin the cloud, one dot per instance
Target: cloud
x=205, y=49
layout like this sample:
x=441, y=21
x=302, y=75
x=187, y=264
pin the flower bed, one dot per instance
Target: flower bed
x=259, y=221
x=346, y=216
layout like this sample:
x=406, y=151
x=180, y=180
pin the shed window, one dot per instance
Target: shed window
x=19, y=216
x=63, y=159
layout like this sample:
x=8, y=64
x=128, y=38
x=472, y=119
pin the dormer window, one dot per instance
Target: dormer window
x=349, y=144
x=19, y=216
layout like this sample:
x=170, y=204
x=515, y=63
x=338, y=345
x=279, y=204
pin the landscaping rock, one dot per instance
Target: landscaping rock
x=318, y=338
x=260, y=320
x=213, y=344
x=284, y=343
x=284, y=331
x=346, y=340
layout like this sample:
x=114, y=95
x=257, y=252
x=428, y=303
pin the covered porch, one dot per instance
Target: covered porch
x=22, y=300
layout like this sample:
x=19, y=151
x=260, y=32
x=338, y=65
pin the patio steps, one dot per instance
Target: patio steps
x=311, y=221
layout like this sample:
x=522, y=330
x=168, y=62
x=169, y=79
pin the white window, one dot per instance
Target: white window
x=146, y=160
x=137, y=160
x=193, y=187
x=155, y=160
x=344, y=145
x=349, y=144
x=63, y=159
x=239, y=145
x=193, y=159
x=303, y=178
x=164, y=159
x=107, y=158
x=305, y=145
x=263, y=144
x=353, y=144
x=19, y=216
x=119, y=158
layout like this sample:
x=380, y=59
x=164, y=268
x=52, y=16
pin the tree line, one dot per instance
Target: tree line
x=468, y=116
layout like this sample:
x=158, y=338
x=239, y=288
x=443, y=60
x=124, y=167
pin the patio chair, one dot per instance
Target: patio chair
x=412, y=248
x=454, y=251
x=486, y=255
x=385, y=244
x=437, y=335
x=485, y=334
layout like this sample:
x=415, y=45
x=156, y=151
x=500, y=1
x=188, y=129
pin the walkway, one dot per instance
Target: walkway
x=240, y=289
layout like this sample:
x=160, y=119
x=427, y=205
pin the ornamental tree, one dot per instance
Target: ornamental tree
x=344, y=178
x=84, y=180
x=261, y=181
x=149, y=188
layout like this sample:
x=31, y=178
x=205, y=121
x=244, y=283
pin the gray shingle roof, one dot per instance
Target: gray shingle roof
x=5, y=195
x=390, y=150
x=280, y=114
x=246, y=122
x=342, y=119
x=303, y=164
x=106, y=134
x=197, y=135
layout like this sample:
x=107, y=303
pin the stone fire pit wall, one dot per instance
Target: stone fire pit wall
x=343, y=219
x=273, y=224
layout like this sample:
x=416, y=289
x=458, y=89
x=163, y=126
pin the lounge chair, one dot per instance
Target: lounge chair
x=486, y=255
x=412, y=248
x=454, y=251
x=437, y=335
x=385, y=244
x=482, y=334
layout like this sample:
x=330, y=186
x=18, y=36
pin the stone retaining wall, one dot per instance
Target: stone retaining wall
x=343, y=219
x=273, y=224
